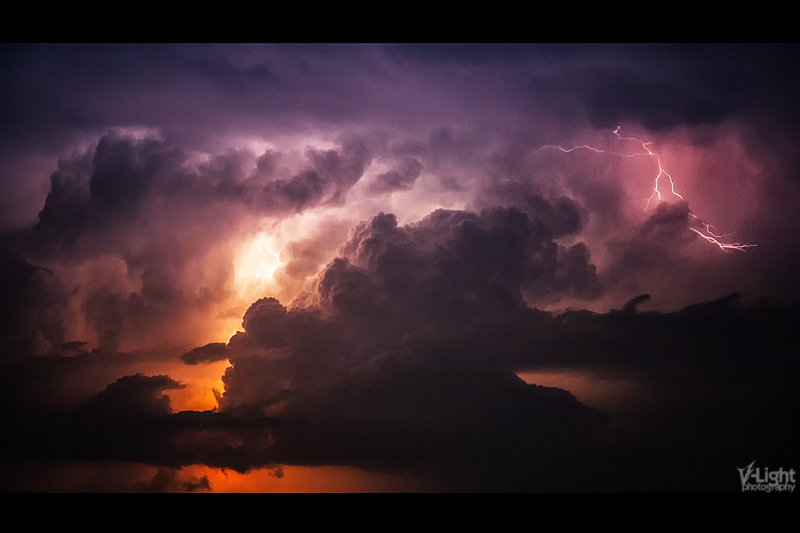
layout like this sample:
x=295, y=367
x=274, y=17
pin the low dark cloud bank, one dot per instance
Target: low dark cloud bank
x=474, y=252
x=393, y=371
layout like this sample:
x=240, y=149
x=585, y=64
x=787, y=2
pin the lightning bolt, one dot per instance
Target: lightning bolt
x=710, y=230
x=725, y=246
x=661, y=171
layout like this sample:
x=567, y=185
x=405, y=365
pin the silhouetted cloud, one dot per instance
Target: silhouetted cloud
x=170, y=480
x=132, y=396
x=213, y=351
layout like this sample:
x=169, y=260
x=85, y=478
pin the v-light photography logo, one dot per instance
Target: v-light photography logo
x=766, y=480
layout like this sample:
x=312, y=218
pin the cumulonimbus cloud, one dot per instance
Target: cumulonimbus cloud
x=474, y=247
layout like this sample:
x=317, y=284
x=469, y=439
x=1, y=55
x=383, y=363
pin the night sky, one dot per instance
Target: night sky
x=445, y=268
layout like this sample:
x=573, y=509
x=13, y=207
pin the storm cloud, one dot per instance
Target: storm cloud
x=506, y=267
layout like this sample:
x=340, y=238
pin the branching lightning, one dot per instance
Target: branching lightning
x=710, y=230
x=722, y=245
x=661, y=171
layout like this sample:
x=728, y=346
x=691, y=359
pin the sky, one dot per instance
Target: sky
x=399, y=268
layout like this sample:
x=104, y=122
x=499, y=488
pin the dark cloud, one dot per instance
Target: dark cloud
x=452, y=258
x=403, y=310
x=330, y=175
x=213, y=351
x=401, y=179
x=15, y=273
x=108, y=184
x=170, y=480
x=428, y=400
x=263, y=321
x=132, y=396
x=124, y=171
x=206, y=86
x=633, y=303
x=694, y=84
x=658, y=240
x=403, y=370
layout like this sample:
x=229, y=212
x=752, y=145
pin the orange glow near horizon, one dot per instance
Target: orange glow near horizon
x=107, y=476
x=305, y=479
x=201, y=381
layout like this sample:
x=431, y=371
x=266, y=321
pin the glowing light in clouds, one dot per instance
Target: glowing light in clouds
x=257, y=265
